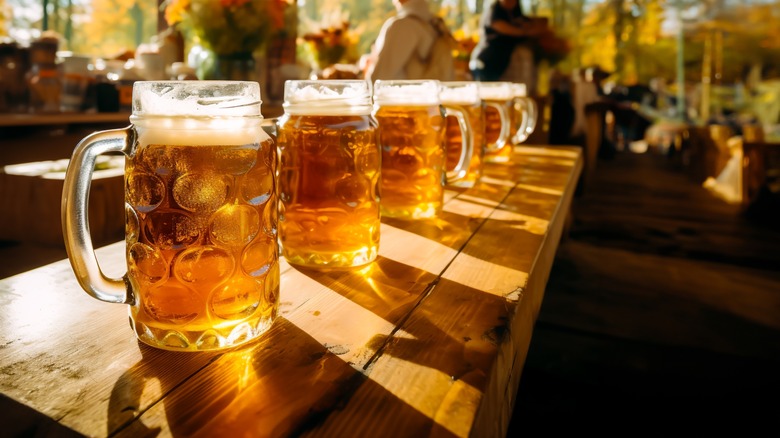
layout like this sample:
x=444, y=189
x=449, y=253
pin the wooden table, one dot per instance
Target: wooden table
x=32, y=196
x=429, y=340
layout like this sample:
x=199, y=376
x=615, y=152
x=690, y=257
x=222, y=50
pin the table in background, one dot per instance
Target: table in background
x=27, y=138
x=430, y=339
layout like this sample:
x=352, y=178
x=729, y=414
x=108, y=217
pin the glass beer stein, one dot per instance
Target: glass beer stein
x=499, y=100
x=411, y=134
x=200, y=211
x=524, y=114
x=465, y=96
x=329, y=174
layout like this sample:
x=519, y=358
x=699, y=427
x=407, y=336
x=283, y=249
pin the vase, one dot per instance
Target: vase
x=232, y=67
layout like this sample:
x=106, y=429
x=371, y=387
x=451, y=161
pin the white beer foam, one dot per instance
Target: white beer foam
x=196, y=98
x=320, y=98
x=194, y=131
x=519, y=90
x=495, y=91
x=415, y=94
x=459, y=94
x=310, y=92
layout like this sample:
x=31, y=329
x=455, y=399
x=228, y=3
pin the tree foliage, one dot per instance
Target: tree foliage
x=5, y=17
x=116, y=21
x=628, y=37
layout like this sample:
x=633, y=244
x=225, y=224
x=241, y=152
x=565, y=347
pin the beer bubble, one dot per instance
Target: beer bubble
x=271, y=218
x=171, y=303
x=238, y=298
x=348, y=139
x=200, y=192
x=259, y=256
x=161, y=159
x=203, y=264
x=170, y=229
x=269, y=153
x=271, y=296
x=308, y=225
x=406, y=160
x=425, y=178
x=352, y=190
x=146, y=264
x=234, y=225
x=236, y=160
x=329, y=139
x=257, y=186
x=145, y=191
x=367, y=161
x=393, y=177
x=289, y=178
x=376, y=192
x=132, y=225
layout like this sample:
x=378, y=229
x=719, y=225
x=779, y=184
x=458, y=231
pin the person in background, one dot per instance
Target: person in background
x=562, y=111
x=505, y=34
x=584, y=91
x=406, y=35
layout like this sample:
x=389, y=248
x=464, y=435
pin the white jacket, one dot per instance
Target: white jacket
x=400, y=38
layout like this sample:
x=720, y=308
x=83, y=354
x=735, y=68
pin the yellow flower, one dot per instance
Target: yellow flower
x=227, y=27
x=175, y=11
x=331, y=41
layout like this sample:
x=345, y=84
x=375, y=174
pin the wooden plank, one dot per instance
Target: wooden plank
x=341, y=318
x=49, y=362
x=347, y=342
x=457, y=358
x=63, y=119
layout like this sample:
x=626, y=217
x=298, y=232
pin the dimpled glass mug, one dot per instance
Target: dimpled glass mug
x=201, y=215
x=464, y=95
x=329, y=174
x=411, y=134
x=524, y=114
x=499, y=100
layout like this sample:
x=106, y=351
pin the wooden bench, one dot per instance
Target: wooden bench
x=429, y=340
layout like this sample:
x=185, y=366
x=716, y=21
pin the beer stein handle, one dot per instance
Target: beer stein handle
x=529, y=111
x=466, y=147
x=503, y=136
x=75, y=225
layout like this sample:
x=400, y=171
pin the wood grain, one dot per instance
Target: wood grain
x=428, y=340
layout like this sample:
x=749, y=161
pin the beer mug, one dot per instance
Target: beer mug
x=524, y=114
x=499, y=101
x=465, y=96
x=411, y=135
x=200, y=215
x=329, y=174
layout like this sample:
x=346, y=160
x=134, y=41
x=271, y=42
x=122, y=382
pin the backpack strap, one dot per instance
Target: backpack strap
x=440, y=29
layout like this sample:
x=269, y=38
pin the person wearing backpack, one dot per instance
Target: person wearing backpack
x=413, y=44
x=505, y=34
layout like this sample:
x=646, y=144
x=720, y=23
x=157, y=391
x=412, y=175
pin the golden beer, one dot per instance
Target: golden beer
x=201, y=216
x=498, y=100
x=328, y=180
x=201, y=241
x=465, y=97
x=411, y=135
x=413, y=160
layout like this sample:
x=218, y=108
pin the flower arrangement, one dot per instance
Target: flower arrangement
x=331, y=41
x=227, y=27
x=465, y=43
